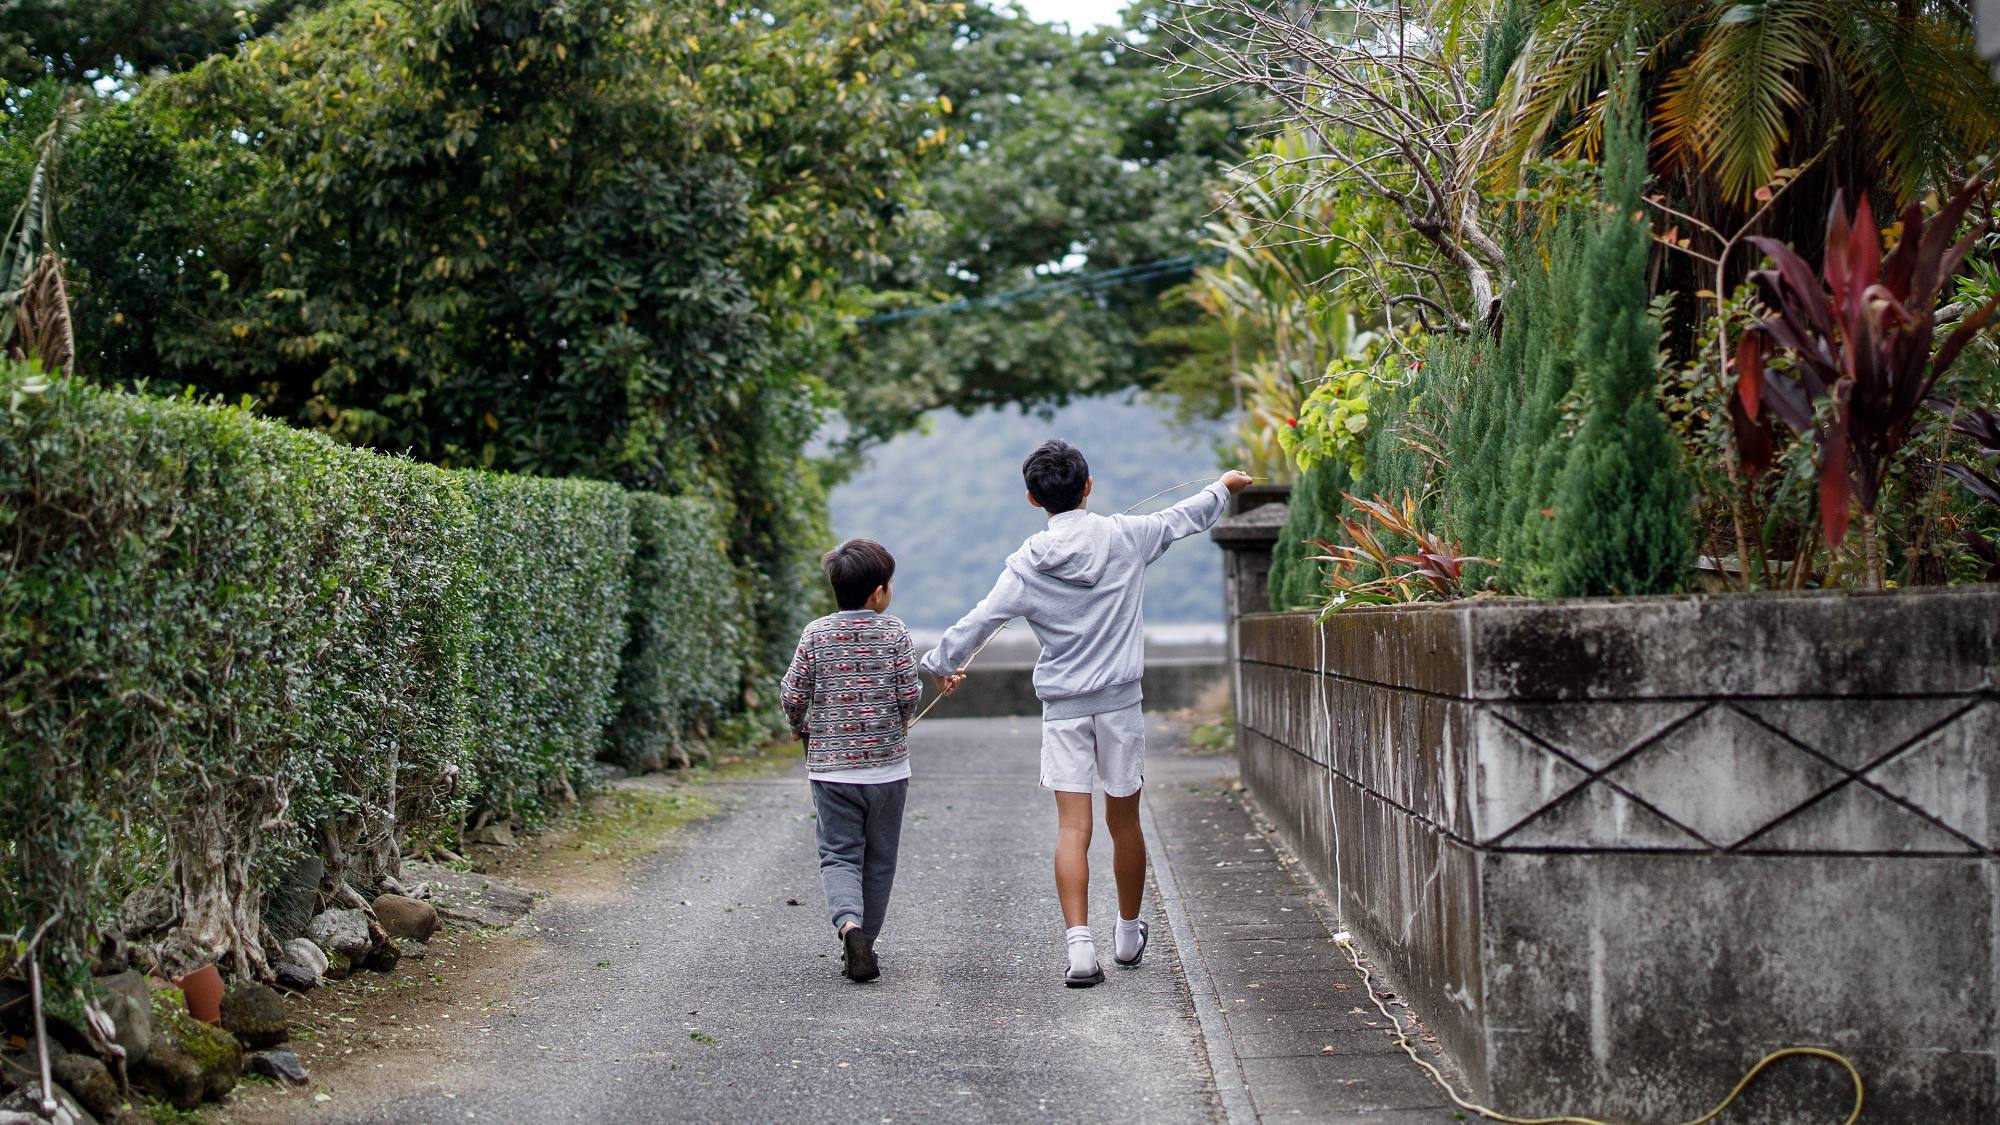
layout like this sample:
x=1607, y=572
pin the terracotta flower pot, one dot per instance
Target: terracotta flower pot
x=203, y=989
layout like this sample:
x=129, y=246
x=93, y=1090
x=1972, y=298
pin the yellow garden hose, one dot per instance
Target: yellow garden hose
x=1402, y=1040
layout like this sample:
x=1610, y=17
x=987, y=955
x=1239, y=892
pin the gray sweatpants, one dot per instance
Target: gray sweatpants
x=858, y=830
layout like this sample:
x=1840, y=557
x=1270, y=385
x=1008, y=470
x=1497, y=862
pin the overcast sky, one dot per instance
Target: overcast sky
x=1081, y=15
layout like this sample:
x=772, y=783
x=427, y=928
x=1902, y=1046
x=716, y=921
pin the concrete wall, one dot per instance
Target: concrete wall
x=1170, y=683
x=1618, y=851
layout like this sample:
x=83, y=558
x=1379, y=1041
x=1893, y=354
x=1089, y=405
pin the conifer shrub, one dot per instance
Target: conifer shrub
x=1623, y=504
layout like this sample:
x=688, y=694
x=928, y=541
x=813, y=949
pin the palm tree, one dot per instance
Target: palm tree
x=1739, y=90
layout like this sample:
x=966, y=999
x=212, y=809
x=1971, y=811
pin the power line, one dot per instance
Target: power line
x=1082, y=283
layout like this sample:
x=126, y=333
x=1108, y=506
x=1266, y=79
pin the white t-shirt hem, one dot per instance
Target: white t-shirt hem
x=866, y=775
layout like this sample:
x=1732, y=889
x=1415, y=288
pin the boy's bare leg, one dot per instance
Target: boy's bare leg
x=1073, y=857
x=1128, y=851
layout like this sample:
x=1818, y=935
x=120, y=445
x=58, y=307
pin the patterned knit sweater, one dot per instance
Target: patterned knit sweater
x=851, y=691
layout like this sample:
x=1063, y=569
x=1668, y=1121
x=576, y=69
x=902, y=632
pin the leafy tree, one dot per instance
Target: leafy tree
x=600, y=240
x=1068, y=155
x=82, y=41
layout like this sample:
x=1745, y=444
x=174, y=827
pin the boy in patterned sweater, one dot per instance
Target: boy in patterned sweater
x=849, y=694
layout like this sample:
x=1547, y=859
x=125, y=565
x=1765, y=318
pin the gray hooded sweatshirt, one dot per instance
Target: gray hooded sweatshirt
x=1080, y=584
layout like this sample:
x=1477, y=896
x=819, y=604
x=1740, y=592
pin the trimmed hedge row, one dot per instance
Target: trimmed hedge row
x=688, y=634
x=230, y=644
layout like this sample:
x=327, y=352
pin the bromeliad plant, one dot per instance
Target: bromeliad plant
x=1367, y=569
x=1865, y=352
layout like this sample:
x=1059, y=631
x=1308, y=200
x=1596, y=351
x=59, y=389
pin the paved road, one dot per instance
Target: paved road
x=723, y=1003
x=698, y=993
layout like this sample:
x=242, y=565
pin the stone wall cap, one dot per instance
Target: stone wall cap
x=1929, y=641
x=1262, y=524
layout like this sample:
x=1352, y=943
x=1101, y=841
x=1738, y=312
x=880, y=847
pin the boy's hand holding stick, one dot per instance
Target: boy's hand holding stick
x=1235, y=480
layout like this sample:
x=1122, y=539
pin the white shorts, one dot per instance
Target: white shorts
x=1110, y=746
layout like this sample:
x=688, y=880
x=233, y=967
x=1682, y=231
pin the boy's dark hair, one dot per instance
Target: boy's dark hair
x=855, y=568
x=1056, y=474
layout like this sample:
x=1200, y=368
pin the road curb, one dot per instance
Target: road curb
x=1230, y=1088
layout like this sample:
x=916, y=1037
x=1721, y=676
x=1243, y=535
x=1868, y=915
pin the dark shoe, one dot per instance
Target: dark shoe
x=859, y=954
x=1144, y=932
x=1095, y=976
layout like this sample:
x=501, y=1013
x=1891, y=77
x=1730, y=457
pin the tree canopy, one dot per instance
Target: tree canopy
x=1069, y=155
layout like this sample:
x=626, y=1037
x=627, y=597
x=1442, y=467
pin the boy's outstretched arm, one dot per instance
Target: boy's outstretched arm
x=1001, y=605
x=1195, y=514
x=795, y=692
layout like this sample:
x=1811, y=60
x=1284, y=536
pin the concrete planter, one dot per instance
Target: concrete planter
x=1617, y=851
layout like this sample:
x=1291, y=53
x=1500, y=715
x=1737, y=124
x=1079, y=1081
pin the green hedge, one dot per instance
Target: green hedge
x=688, y=635
x=225, y=643
x=551, y=558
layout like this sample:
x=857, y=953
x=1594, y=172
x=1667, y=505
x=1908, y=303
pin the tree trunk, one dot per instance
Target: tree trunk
x=218, y=899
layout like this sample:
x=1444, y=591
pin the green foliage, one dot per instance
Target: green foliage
x=1333, y=420
x=1061, y=154
x=604, y=240
x=550, y=560
x=81, y=40
x=1543, y=447
x=1623, y=505
x=261, y=643
x=687, y=639
x=207, y=618
x=1504, y=40
x=1741, y=88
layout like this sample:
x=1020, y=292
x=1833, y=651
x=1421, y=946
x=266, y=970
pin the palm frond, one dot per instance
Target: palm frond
x=1563, y=71
x=1729, y=110
x=1923, y=90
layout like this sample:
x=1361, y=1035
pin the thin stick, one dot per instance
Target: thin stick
x=1171, y=488
x=968, y=663
x=935, y=700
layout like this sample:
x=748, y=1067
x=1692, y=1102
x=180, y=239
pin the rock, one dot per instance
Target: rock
x=413, y=950
x=16, y=1017
x=462, y=896
x=255, y=1014
x=129, y=1003
x=16, y=1068
x=89, y=1082
x=406, y=917
x=341, y=931
x=147, y=910
x=499, y=834
x=338, y=966
x=113, y=954
x=383, y=958
x=295, y=978
x=306, y=955
x=28, y=1100
x=289, y=900
x=281, y=1065
x=190, y=1062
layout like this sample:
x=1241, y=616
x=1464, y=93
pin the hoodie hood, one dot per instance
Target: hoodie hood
x=1076, y=548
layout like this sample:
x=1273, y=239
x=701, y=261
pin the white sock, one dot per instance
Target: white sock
x=1082, y=950
x=1125, y=939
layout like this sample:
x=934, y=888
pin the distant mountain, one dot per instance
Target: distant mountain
x=949, y=504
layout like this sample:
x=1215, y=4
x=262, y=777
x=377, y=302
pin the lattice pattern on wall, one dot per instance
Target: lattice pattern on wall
x=1893, y=775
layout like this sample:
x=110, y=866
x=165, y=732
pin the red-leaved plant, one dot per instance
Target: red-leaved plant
x=1366, y=573
x=1865, y=339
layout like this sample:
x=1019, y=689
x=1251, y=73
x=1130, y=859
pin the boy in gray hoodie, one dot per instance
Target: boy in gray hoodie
x=1079, y=584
